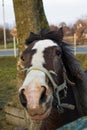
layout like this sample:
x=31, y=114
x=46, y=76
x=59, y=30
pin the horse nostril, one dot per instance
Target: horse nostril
x=23, y=98
x=43, y=96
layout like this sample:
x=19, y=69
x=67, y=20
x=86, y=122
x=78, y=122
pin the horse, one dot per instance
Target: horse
x=54, y=91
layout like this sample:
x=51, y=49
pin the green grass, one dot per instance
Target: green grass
x=7, y=78
x=9, y=45
x=83, y=60
x=7, y=86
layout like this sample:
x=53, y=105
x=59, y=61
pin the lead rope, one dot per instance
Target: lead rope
x=26, y=120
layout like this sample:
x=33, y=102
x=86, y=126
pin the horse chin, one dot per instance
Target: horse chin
x=40, y=117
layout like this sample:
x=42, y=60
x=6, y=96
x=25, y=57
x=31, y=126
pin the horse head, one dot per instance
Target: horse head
x=48, y=61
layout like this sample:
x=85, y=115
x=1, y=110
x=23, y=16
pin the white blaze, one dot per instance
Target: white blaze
x=38, y=61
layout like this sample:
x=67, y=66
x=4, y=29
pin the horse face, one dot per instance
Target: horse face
x=36, y=93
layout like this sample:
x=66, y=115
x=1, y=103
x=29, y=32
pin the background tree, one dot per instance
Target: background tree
x=8, y=36
x=53, y=28
x=30, y=17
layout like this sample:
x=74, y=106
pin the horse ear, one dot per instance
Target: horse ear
x=60, y=34
x=31, y=38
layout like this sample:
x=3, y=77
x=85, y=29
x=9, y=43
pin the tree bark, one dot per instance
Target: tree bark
x=30, y=17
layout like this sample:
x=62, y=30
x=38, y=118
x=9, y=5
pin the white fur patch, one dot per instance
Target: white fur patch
x=34, y=76
x=38, y=59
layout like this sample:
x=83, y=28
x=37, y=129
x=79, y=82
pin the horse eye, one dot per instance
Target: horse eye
x=58, y=53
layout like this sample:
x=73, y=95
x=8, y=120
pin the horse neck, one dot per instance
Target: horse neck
x=52, y=122
x=80, y=94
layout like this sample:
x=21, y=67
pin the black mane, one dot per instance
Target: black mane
x=56, y=36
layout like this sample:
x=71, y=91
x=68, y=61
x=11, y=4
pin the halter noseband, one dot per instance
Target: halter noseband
x=57, y=88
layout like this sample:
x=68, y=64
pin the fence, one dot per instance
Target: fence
x=75, y=40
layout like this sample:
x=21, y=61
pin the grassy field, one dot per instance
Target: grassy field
x=9, y=45
x=83, y=60
x=8, y=84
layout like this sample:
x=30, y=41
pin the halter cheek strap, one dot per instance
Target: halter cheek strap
x=57, y=88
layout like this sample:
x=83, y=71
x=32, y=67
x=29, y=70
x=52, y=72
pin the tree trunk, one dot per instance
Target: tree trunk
x=30, y=17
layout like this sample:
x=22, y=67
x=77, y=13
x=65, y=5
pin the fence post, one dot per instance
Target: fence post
x=75, y=44
x=14, y=42
x=4, y=29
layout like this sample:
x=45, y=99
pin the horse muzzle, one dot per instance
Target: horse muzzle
x=37, y=99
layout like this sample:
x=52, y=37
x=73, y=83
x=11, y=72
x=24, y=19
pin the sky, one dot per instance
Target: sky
x=56, y=11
